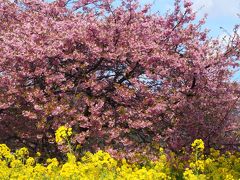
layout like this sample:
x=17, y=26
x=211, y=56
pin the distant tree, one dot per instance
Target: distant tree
x=124, y=79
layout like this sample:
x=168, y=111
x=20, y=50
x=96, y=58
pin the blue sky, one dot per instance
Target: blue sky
x=221, y=13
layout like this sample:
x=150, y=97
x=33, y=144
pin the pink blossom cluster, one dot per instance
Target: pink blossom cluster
x=121, y=77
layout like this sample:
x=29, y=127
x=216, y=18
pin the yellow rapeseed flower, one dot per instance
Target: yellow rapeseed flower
x=198, y=144
x=22, y=153
x=4, y=150
x=30, y=161
x=62, y=133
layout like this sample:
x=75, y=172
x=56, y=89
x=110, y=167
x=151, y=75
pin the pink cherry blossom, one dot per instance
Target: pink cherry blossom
x=120, y=76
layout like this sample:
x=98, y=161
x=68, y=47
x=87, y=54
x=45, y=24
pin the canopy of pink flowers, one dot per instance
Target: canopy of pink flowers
x=121, y=77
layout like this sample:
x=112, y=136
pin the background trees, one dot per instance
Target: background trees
x=122, y=78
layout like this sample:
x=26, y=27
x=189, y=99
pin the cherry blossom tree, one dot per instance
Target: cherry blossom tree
x=123, y=78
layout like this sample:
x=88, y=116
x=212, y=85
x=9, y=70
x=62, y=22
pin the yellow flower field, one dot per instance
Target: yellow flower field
x=199, y=166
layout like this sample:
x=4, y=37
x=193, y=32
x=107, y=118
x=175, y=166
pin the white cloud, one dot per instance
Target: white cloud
x=216, y=8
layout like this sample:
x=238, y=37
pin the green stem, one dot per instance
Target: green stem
x=69, y=146
x=196, y=158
